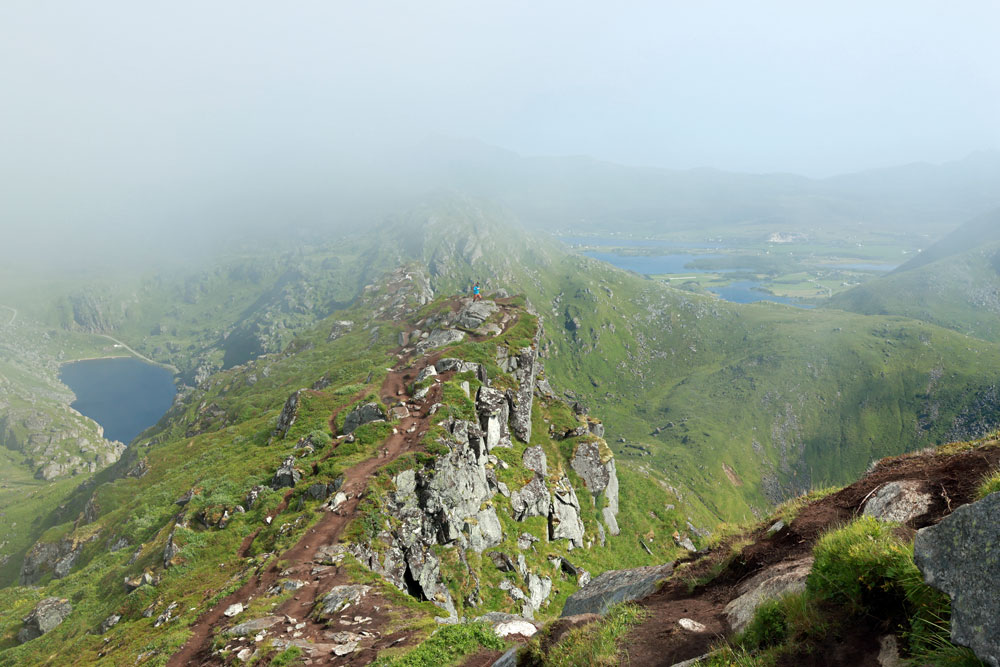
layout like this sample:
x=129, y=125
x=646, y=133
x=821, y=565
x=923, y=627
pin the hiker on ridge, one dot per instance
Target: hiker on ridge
x=476, y=296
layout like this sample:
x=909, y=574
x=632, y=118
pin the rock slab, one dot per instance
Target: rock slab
x=961, y=556
x=615, y=586
x=901, y=501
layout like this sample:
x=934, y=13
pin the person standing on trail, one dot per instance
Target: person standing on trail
x=476, y=296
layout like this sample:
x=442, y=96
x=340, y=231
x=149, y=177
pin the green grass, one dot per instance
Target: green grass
x=447, y=646
x=990, y=484
x=596, y=644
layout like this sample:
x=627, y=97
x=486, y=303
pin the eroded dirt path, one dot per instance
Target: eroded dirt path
x=660, y=640
x=198, y=649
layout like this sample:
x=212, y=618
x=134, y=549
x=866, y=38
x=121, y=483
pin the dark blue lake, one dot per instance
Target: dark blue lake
x=745, y=291
x=125, y=396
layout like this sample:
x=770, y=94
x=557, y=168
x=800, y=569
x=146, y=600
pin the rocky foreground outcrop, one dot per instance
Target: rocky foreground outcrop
x=961, y=556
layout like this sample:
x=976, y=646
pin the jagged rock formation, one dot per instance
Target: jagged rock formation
x=961, y=556
x=450, y=501
x=288, y=413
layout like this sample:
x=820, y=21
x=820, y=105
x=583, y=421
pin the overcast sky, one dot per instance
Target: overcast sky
x=111, y=103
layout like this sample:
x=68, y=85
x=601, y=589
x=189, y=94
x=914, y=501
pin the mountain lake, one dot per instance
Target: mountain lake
x=124, y=395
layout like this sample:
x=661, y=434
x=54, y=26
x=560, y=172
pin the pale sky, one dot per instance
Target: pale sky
x=109, y=104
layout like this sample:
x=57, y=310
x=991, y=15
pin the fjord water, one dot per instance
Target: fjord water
x=124, y=395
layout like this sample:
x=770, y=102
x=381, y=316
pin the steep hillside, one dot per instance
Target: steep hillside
x=954, y=283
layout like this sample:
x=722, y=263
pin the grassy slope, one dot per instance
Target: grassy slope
x=955, y=283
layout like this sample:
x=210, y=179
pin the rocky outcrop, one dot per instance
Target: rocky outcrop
x=533, y=499
x=365, y=413
x=475, y=314
x=287, y=475
x=51, y=558
x=439, y=338
x=525, y=367
x=615, y=586
x=534, y=459
x=288, y=414
x=493, y=410
x=564, y=515
x=900, y=501
x=595, y=465
x=771, y=584
x=961, y=556
x=46, y=616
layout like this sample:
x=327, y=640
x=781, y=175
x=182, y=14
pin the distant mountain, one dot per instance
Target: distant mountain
x=955, y=283
x=593, y=195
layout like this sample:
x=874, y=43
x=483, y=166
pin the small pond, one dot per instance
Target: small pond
x=124, y=395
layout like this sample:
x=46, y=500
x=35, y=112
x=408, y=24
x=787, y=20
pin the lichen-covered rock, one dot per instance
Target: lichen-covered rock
x=614, y=586
x=771, y=584
x=493, y=411
x=901, y=501
x=533, y=499
x=288, y=414
x=339, y=598
x=46, y=615
x=253, y=626
x=534, y=459
x=961, y=556
x=564, y=515
x=526, y=373
x=365, y=413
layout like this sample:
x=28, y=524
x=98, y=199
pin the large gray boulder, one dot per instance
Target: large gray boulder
x=564, y=515
x=615, y=586
x=771, y=584
x=365, y=413
x=46, y=615
x=961, y=556
x=472, y=316
x=596, y=467
x=900, y=501
x=532, y=499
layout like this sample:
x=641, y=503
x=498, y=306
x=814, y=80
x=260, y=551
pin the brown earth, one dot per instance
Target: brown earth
x=373, y=614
